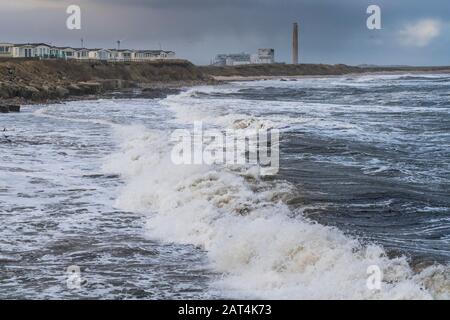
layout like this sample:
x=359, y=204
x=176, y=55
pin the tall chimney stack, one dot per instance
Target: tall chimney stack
x=295, y=44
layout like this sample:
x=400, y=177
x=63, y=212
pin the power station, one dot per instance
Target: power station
x=295, y=44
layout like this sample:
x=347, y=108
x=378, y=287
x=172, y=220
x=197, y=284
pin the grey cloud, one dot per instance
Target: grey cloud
x=331, y=31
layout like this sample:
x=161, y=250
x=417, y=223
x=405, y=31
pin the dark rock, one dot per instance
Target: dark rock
x=25, y=82
x=9, y=108
x=5, y=91
x=61, y=92
x=75, y=90
x=28, y=92
x=90, y=87
x=14, y=108
x=45, y=92
x=157, y=93
x=111, y=84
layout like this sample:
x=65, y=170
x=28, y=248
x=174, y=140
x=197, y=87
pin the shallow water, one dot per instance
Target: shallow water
x=57, y=210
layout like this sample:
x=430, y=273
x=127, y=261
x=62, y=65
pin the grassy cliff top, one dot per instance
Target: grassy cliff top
x=52, y=71
x=279, y=69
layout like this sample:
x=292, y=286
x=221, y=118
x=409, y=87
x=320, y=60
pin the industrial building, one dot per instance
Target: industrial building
x=232, y=59
x=266, y=56
x=236, y=59
x=295, y=44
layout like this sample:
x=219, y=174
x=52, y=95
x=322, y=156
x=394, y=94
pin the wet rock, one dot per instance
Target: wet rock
x=28, y=92
x=5, y=91
x=90, y=87
x=155, y=93
x=61, y=92
x=111, y=84
x=75, y=90
x=14, y=108
x=45, y=92
x=9, y=108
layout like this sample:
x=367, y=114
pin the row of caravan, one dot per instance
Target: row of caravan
x=45, y=51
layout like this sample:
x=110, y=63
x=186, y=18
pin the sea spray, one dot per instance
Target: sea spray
x=251, y=239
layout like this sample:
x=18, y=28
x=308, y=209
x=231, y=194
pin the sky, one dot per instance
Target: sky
x=413, y=32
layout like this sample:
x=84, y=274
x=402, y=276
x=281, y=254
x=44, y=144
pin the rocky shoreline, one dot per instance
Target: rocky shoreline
x=280, y=70
x=7, y=108
x=27, y=82
x=93, y=91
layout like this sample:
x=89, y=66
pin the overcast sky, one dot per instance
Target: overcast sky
x=414, y=32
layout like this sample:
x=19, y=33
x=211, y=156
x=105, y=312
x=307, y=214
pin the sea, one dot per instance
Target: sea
x=92, y=205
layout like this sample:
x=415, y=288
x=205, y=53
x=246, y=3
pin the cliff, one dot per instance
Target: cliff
x=267, y=70
x=40, y=81
x=26, y=81
x=286, y=70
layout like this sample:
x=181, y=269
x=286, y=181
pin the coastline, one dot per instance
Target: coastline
x=144, y=91
x=419, y=268
x=29, y=82
x=295, y=77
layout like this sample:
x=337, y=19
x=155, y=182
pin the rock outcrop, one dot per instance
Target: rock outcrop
x=41, y=81
x=9, y=108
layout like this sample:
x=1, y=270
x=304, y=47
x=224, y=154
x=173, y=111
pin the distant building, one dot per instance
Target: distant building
x=45, y=51
x=152, y=55
x=6, y=50
x=122, y=55
x=238, y=59
x=31, y=50
x=67, y=52
x=266, y=55
x=62, y=53
x=220, y=60
x=23, y=51
x=81, y=53
x=166, y=54
x=56, y=53
x=232, y=59
x=100, y=54
x=42, y=50
x=295, y=43
x=235, y=59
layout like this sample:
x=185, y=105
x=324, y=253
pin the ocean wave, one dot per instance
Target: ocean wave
x=251, y=235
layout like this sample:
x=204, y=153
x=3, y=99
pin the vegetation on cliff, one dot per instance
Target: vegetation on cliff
x=28, y=81
x=42, y=80
x=285, y=70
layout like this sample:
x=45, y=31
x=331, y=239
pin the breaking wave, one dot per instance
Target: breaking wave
x=260, y=246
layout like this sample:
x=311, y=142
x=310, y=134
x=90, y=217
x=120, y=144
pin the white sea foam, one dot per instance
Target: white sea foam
x=250, y=234
x=54, y=112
